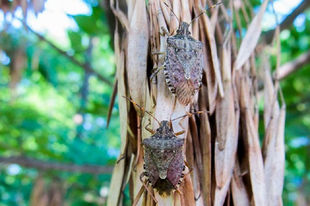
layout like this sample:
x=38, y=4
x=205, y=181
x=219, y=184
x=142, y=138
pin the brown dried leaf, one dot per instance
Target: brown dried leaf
x=196, y=144
x=154, y=34
x=225, y=130
x=174, y=23
x=225, y=105
x=121, y=89
x=213, y=49
x=206, y=152
x=239, y=193
x=136, y=176
x=120, y=15
x=254, y=152
x=251, y=38
x=119, y=169
x=254, y=90
x=269, y=94
x=137, y=51
x=116, y=182
x=189, y=151
x=112, y=101
x=215, y=18
x=271, y=108
x=166, y=11
x=131, y=4
x=256, y=162
x=197, y=186
x=186, y=188
x=275, y=161
x=221, y=193
x=186, y=15
x=211, y=89
x=225, y=157
x=274, y=148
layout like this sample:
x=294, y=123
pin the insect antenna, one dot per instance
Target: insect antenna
x=172, y=11
x=188, y=114
x=134, y=103
x=204, y=12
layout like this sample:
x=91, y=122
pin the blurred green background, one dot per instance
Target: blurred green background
x=56, y=79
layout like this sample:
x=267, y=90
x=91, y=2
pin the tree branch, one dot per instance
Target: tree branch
x=47, y=165
x=86, y=67
x=288, y=21
x=293, y=66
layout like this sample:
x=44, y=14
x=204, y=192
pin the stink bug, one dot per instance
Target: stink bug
x=164, y=164
x=183, y=64
x=163, y=158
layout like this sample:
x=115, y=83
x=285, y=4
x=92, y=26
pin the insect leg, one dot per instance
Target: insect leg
x=165, y=32
x=188, y=114
x=120, y=159
x=156, y=71
x=137, y=198
x=181, y=125
x=197, y=198
x=158, y=53
x=148, y=190
x=188, y=166
x=179, y=133
x=148, y=128
x=138, y=143
x=177, y=190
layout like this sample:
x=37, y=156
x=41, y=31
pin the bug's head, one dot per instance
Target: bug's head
x=183, y=29
x=165, y=127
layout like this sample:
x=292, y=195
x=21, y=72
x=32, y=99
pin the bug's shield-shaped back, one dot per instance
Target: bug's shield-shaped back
x=162, y=152
x=183, y=66
x=164, y=161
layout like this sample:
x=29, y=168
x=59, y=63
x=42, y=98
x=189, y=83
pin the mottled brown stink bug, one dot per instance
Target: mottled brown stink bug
x=164, y=164
x=163, y=158
x=183, y=64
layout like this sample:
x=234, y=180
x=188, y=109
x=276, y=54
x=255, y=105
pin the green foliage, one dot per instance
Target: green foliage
x=295, y=42
x=40, y=118
x=95, y=24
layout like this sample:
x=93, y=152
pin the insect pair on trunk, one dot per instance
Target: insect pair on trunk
x=164, y=164
x=183, y=64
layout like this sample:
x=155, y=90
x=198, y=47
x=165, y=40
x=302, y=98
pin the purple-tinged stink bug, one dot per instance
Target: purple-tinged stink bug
x=164, y=163
x=183, y=64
